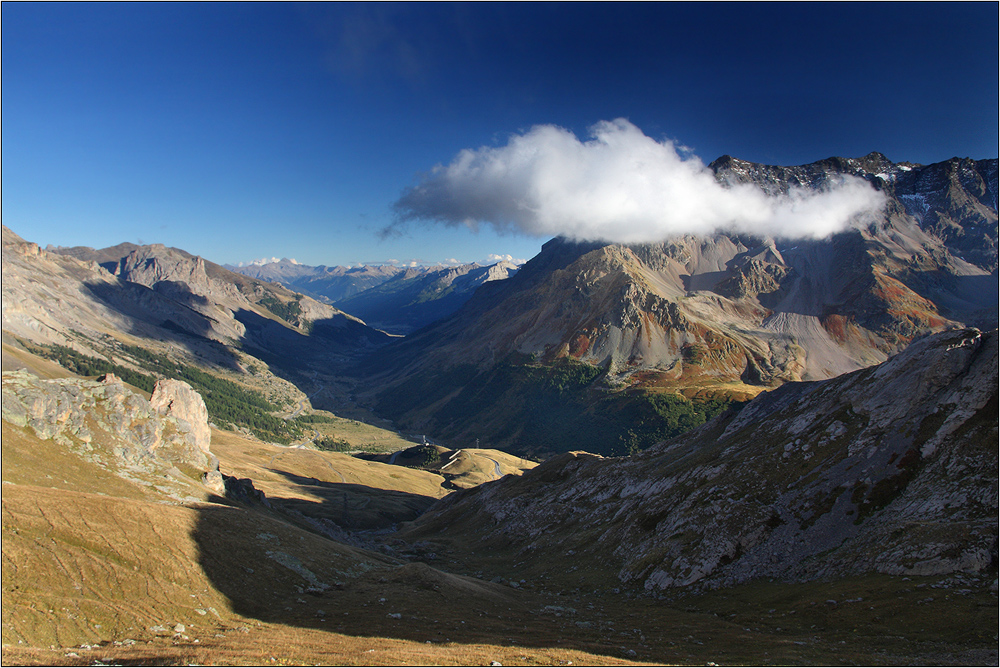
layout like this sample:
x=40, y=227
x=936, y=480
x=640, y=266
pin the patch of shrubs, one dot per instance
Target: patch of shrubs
x=332, y=444
x=82, y=365
x=316, y=419
x=290, y=312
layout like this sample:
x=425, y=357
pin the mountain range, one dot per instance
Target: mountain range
x=395, y=299
x=810, y=430
x=151, y=311
x=325, y=283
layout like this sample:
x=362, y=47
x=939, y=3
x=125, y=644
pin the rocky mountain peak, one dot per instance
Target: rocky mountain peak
x=736, y=311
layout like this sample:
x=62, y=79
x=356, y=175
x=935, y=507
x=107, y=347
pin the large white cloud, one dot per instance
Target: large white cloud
x=619, y=186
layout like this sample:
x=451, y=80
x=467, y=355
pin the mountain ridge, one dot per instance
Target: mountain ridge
x=889, y=469
x=396, y=299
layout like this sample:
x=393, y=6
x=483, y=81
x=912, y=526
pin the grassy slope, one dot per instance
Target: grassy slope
x=351, y=492
x=90, y=559
x=461, y=469
x=360, y=436
x=97, y=567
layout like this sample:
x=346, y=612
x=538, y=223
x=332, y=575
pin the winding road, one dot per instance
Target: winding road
x=302, y=403
x=496, y=466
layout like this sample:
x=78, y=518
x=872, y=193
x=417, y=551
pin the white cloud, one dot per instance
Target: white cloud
x=619, y=186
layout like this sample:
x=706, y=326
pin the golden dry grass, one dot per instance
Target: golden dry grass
x=264, y=463
x=473, y=466
x=28, y=461
x=12, y=357
x=361, y=435
x=459, y=469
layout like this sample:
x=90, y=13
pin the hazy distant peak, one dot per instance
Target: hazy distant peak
x=265, y=261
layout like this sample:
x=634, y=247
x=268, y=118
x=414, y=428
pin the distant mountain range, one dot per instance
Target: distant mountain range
x=417, y=297
x=327, y=284
x=727, y=315
x=395, y=299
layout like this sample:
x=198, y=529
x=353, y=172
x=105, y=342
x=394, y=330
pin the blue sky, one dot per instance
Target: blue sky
x=238, y=131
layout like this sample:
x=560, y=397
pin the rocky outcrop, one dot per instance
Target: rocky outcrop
x=176, y=399
x=891, y=469
x=115, y=427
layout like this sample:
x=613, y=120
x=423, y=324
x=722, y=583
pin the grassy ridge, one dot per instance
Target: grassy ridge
x=528, y=408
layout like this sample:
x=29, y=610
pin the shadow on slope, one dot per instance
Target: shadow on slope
x=351, y=506
x=330, y=344
x=283, y=576
x=969, y=299
x=154, y=316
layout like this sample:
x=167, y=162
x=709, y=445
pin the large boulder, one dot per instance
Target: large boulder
x=176, y=399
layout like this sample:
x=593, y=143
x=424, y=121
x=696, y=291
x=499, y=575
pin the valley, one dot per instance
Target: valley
x=710, y=450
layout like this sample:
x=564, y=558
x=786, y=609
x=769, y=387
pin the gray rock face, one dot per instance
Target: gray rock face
x=176, y=399
x=891, y=469
x=46, y=295
x=220, y=302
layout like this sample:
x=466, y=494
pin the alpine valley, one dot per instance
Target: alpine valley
x=708, y=450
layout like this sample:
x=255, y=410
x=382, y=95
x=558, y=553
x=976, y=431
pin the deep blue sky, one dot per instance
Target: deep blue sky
x=238, y=131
